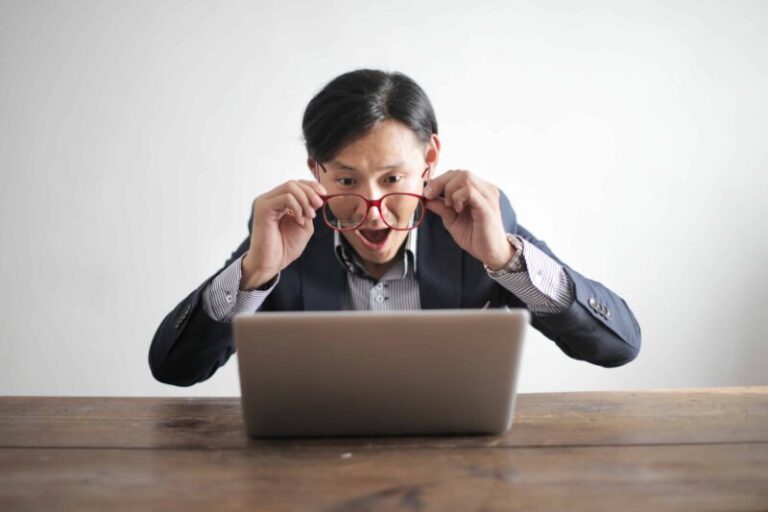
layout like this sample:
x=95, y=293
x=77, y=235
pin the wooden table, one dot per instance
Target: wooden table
x=702, y=449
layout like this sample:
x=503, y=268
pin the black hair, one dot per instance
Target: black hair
x=352, y=103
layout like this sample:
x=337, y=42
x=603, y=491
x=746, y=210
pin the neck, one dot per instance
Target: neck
x=377, y=270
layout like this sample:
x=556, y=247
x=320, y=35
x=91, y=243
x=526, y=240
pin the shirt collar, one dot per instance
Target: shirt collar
x=348, y=259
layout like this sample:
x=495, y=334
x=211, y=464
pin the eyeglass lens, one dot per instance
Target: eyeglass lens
x=399, y=211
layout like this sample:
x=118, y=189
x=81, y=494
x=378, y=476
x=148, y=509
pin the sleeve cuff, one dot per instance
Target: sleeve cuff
x=223, y=298
x=544, y=287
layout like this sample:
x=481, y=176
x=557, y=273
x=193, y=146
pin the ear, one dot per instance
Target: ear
x=431, y=155
x=313, y=167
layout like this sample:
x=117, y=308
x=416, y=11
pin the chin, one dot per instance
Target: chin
x=381, y=258
x=374, y=256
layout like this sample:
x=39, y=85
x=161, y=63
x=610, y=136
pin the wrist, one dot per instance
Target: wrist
x=500, y=261
x=253, y=278
x=513, y=264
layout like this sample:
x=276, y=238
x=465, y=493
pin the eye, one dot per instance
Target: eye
x=345, y=181
x=394, y=179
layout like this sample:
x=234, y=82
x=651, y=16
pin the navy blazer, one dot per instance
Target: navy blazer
x=599, y=327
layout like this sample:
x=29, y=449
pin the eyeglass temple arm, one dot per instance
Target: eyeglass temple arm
x=426, y=171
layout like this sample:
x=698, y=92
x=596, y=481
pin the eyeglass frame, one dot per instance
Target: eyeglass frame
x=376, y=203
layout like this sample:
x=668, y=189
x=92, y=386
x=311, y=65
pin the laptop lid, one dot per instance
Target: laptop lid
x=370, y=373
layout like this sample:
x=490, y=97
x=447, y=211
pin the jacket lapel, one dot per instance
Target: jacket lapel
x=439, y=265
x=323, y=281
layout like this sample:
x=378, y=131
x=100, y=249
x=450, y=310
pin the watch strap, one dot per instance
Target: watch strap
x=516, y=264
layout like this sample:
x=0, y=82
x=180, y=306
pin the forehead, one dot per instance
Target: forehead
x=387, y=143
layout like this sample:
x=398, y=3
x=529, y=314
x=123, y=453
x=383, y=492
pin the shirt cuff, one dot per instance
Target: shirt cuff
x=223, y=298
x=544, y=287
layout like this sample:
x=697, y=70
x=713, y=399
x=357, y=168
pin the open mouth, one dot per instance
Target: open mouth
x=374, y=238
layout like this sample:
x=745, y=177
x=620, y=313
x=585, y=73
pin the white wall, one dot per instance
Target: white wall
x=134, y=135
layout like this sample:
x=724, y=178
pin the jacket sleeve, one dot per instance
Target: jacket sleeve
x=598, y=327
x=189, y=346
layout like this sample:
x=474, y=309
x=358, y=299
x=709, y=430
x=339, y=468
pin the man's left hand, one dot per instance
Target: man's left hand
x=470, y=212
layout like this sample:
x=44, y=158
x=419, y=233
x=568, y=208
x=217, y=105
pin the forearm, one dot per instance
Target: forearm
x=542, y=284
x=224, y=297
x=598, y=327
x=189, y=346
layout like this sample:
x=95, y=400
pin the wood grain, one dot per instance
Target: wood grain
x=545, y=419
x=695, y=449
x=676, y=478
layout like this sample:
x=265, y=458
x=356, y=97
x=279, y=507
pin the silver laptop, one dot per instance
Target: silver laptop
x=379, y=373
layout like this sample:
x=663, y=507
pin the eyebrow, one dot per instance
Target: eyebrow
x=346, y=167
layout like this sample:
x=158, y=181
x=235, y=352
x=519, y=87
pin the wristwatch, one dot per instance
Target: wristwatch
x=516, y=264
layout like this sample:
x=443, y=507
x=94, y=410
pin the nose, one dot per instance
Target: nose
x=374, y=220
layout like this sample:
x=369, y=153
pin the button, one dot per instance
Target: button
x=379, y=286
x=593, y=302
x=184, y=314
x=608, y=313
x=379, y=298
x=228, y=297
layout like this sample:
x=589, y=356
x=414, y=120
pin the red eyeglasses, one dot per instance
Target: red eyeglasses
x=401, y=211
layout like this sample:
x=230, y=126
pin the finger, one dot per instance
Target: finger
x=445, y=212
x=459, y=198
x=458, y=183
x=287, y=203
x=316, y=186
x=309, y=227
x=280, y=189
x=435, y=187
x=312, y=193
x=302, y=196
x=470, y=195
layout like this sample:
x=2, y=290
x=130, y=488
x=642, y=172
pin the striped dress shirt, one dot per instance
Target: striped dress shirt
x=543, y=285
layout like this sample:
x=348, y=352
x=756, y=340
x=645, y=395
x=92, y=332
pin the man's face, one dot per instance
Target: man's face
x=390, y=158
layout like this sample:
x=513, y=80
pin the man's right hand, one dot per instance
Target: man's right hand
x=282, y=226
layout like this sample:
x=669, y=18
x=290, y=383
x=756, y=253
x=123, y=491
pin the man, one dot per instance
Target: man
x=371, y=231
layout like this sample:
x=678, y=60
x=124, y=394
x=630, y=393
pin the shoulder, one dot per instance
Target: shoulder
x=508, y=215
